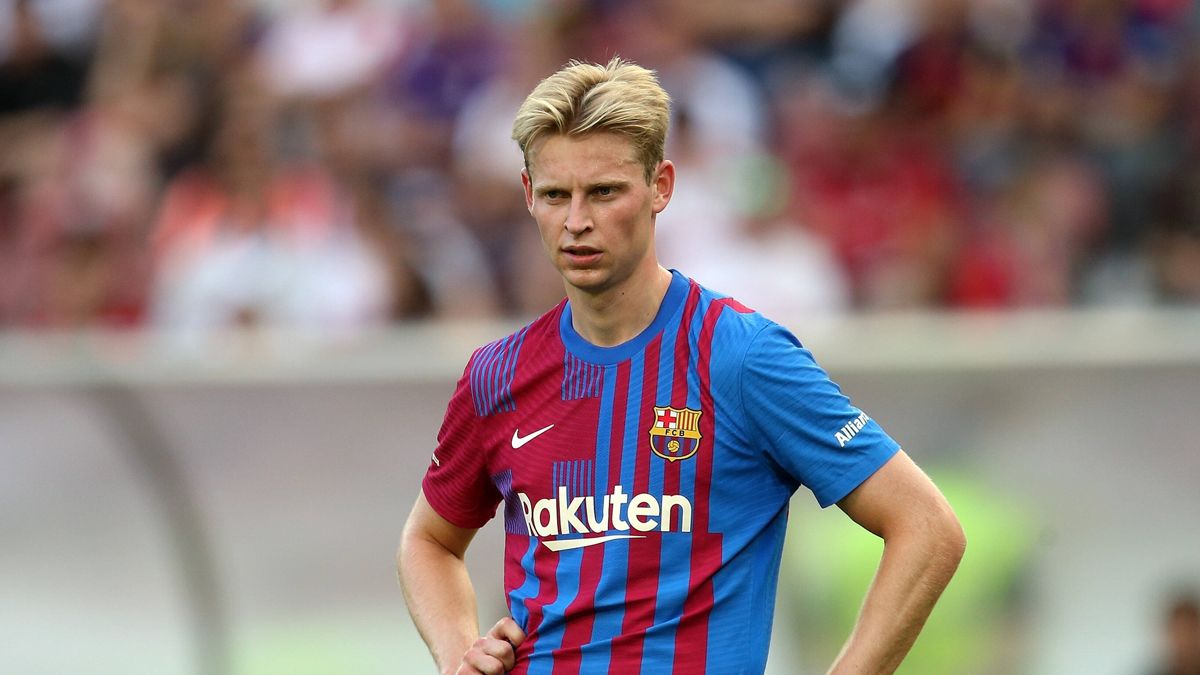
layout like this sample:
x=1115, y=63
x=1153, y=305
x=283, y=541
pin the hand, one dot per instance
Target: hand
x=494, y=653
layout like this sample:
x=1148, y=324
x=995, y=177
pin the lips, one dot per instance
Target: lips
x=581, y=250
x=581, y=255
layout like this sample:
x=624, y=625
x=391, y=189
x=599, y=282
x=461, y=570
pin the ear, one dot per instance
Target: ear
x=527, y=183
x=663, y=184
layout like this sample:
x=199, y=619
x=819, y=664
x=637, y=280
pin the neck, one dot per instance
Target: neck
x=618, y=314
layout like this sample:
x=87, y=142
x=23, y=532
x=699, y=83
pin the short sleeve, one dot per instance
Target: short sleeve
x=457, y=484
x=807, y=425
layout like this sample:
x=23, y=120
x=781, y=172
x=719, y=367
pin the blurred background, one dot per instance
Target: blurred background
x=247, y=247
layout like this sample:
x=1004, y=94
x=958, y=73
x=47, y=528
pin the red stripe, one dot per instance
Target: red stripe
x=641, y=585
x=691, y=639
x=679, y=389
x=683, y=350
x=735, y=305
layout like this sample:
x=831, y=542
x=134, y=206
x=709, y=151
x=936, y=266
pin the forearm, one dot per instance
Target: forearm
x=913, y=571
x=440, y=599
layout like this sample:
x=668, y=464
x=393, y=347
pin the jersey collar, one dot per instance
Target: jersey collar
x=671, y=304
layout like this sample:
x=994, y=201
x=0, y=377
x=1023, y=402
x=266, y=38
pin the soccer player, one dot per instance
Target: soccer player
x=645, y=437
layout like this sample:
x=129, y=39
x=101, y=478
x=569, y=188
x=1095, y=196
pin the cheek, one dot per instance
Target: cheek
x=546, y=224
x=633, y=219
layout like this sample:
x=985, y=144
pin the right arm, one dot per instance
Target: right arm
x=441, y=599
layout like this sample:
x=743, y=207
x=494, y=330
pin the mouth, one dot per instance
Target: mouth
x=581, y=255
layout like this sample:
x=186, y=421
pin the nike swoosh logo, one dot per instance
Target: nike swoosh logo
x=518, y=440
x=564, y=544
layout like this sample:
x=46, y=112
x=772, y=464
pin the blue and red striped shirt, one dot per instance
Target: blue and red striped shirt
x=646, y=486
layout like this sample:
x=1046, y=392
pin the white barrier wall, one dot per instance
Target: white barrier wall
x=235, y=508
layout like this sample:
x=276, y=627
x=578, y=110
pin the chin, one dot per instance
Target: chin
x=591, y=280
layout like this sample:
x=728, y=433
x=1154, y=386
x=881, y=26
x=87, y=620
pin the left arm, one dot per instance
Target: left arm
x=923, y=543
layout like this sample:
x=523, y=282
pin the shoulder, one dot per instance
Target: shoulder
x=493, y=367
x=745, y=345
x=729, y=322
x=541, y=330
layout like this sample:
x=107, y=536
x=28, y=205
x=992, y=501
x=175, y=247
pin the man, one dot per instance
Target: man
x=645, y=437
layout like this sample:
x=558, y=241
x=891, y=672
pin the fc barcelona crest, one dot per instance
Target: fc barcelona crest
x=675, y=434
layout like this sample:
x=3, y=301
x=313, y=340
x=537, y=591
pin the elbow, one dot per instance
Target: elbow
x=953, y=539
x=411, y=540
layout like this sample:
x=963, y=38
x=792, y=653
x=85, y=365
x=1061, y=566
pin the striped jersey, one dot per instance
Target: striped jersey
x=646, y=486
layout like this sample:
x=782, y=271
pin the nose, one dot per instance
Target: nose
x=579, y=217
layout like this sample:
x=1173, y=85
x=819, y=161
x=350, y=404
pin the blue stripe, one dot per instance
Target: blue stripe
x=476, y=389
x=491, y=374
x=494, y=373
x=632, y=411
x=603, y=433
x=566, y=362
x=485, y=379
x=568, y=388
x=576, y=367
x=510, y=368
x=502, y=371
x=528, y=589
x=609, y=611
x=550, y=633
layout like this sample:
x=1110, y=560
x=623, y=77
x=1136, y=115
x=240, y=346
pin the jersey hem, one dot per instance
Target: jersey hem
x=856, y=475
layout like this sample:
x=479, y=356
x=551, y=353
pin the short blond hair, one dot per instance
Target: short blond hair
x=621, y=97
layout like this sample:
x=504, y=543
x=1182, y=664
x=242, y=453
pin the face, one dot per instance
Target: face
x=594, y=209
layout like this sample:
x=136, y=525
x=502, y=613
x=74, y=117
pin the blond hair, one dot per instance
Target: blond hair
x=621, y=97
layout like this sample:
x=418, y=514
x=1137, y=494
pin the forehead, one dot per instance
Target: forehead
x=563, y=157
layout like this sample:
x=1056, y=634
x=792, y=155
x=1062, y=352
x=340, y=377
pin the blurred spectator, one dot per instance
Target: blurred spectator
x=877, y=188
x=758, y=254
x=693, y=74
x=88, y=189
x=1181, y=637
x=341, y=163
x=1031, y=238
x=250, y=238
x=44, y=51
x=329, y=48
x=456, y=49
x=1175, y=242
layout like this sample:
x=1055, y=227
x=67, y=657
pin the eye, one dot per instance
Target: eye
x=604, y=191
x=553, y=194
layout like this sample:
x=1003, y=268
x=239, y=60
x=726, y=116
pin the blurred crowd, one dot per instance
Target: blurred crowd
x=338, y=165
